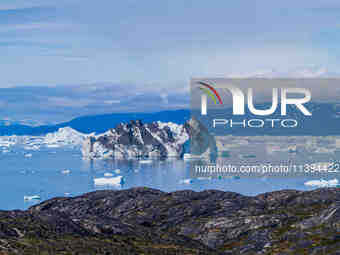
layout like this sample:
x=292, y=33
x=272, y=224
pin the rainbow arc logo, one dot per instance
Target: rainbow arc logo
x=210, y=91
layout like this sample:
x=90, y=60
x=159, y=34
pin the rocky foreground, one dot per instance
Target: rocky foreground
x=148, y=221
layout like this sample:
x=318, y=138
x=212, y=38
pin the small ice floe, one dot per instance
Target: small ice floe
x=322, y=183
x=188, y=156
x=204, y=178
x=108, y=174
x=264, y=178
x=66, y=171
x=247, y=156
x=115, y=181
x=117, y=171
x=32, y=147
x=53, y=145
x=28, y=155
x=35, y=197
x=185, y=181
x=67, y=194
x=145, y=161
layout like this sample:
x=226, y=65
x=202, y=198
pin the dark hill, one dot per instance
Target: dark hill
x=148, y=221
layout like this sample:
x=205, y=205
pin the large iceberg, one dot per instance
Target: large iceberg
x=65, y=136
x=62, y=137
x=137, y=140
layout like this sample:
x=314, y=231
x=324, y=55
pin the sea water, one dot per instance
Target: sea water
x=61, y=172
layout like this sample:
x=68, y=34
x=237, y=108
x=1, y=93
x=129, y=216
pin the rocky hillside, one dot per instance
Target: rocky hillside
x=148, y=221
x=135, y=139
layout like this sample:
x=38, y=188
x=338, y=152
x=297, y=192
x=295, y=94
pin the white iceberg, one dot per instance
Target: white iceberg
x=185, y=181
x=108, y=174
x=109, y=181
x=117, y=171
x=66, y=171
x=64, y=136
x=53, y=145
x=204, y=178
x=145, y=161
x=35, y=197
x=171, y=136
x=28, y=155
x=322, y=183
x=188, y=156
x=32, y=147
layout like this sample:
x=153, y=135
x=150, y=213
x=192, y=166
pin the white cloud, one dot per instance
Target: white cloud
x=6, y=5
x=304, y=72
x=69, y=102
x=112, y=102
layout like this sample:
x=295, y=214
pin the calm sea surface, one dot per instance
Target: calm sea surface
x=41, y=174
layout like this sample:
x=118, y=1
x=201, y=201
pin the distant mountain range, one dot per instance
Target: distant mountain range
x=325, y=120
x=97, y=123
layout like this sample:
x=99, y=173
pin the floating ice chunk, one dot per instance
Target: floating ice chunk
x=32, y=147
x=185, y=181
x=322, y=183
x=108, y=174
x=117, y=171
x=188, y=156
x=66, y=171
x=203, y=178
x=53, y=145
x=109, y=181
x=246, y=156
x=145, y=161
x=35, y=197
x=28, y=155
x=64, y=136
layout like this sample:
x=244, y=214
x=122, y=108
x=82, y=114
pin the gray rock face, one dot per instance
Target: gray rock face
x=202, y=142
x=135, y=139
x=157, y=139
x=207, y=222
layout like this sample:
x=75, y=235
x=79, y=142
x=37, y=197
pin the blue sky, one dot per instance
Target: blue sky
x=152, y=47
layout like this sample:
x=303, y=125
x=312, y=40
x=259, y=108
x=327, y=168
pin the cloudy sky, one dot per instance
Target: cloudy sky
x=65, y=58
